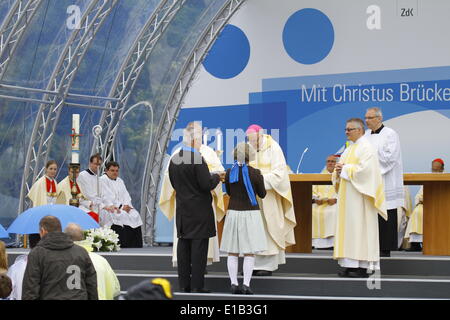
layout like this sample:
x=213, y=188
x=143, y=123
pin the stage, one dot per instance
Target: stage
x=404, y=275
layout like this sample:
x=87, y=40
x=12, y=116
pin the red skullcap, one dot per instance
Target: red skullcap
x=439, y=160
x=253, y=128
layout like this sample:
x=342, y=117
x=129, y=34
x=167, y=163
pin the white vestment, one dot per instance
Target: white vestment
x=114, y=193
x=323, y=216
x=414, y=230
x=89, y=183
x=387, y=143
x=16, y=273
x=277, y=206
x=402, y=216
x=64, y=185
x=360, y=200
x=39, y=196
x=167, y=203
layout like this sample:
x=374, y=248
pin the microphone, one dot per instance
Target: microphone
x=301, y=159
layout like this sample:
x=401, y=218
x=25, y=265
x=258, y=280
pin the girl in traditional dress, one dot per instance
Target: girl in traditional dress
x=45, y=190
x=243, y=232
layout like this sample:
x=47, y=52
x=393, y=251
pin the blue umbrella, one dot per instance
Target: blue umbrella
x=3, y=233
x=28, y=221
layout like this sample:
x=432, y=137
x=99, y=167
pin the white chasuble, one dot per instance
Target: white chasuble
x=39, y=196
x=324, y=215
x=360, y=199
x=277, y=206
x=414, y=230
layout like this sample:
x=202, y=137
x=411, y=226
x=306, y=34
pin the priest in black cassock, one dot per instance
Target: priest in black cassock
x=192, y=181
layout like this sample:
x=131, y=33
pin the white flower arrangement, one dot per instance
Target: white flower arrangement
x=102, y=239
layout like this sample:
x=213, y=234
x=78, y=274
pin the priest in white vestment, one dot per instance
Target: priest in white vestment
x=167, y=203
x=387, y=143
x=89, y=182
x=118, y=212
x=414, y=230
x=361, y=199
x=324, y=211
x=277, y=207
x=45, y=190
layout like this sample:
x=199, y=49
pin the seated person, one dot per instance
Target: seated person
x=414, y=230
x=45, y=190
x=89, y=182
x=118, y=212
x=66, y=186
x=324, y=211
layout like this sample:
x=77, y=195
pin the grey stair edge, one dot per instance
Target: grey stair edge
x=228, y=296
x=304, y=277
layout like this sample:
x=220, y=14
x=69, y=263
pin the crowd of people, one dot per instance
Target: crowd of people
x=62, y=266
x=104, y=197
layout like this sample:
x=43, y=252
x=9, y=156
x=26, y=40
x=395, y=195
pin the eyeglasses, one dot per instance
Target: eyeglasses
x=350, y=129
x=370, y=118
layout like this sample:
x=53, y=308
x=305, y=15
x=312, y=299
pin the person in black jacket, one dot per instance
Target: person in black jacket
x=57, y=269
x=192, y=181
x=243, y=232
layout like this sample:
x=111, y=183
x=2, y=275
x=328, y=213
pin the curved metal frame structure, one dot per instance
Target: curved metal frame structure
x=131, y=69
x=12, y=29
x=60, y=81
x=155, y=157
x=54, y=97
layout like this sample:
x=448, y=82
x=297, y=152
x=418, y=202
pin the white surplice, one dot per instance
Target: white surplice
x=387, y=144
x=114, y=193
x=89, y=185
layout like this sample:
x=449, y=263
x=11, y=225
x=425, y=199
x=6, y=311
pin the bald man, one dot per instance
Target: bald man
x=108, y=285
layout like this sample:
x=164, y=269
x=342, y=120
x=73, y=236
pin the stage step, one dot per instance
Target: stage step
x=311, y=285
x=401, y=263
x=304, y=276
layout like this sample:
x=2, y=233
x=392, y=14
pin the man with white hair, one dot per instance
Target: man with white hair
x=277, y=206
x=358, y=182
x=167, y=202
x=387, y=143
x=190, y=177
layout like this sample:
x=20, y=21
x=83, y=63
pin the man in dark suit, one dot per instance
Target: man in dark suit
x=192, y=181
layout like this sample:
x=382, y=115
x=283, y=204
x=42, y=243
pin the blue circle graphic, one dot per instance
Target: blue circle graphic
x=229, y=54
x=308, y=36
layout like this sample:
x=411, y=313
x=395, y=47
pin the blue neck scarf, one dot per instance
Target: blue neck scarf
x=187, y=148
x=234, y=177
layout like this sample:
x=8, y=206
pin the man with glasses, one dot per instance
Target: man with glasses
x=387, y=143
x=358, y=182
